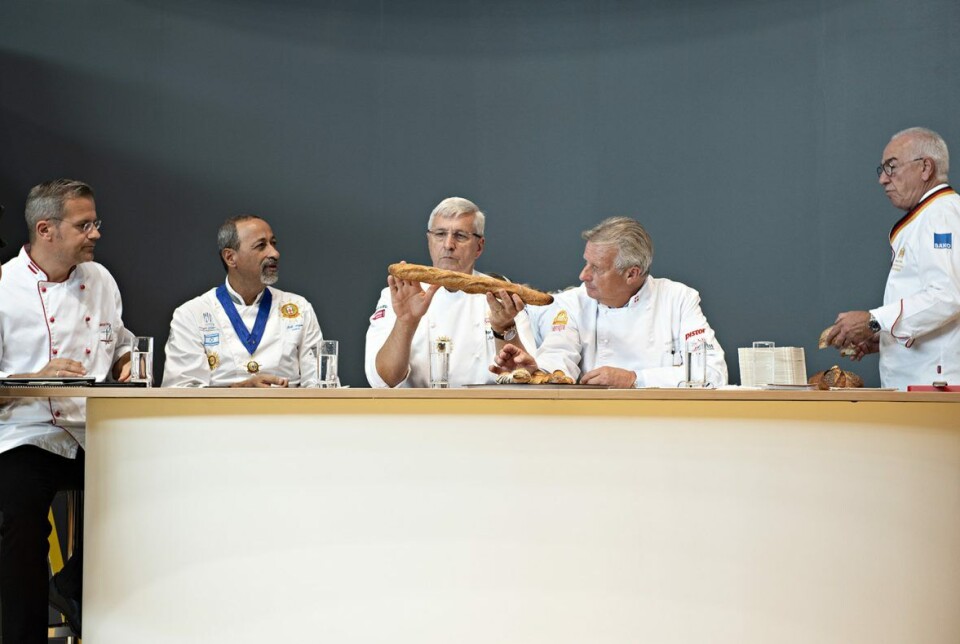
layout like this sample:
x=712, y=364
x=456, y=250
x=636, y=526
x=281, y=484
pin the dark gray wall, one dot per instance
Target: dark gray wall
x=744, y=134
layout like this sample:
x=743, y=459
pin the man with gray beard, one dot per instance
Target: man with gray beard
x=244, y=333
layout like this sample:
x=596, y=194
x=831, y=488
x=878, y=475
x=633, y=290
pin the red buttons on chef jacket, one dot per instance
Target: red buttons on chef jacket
x=43, y=289
x=55, y=352
x=86, y=319
x=88, y=350
x=51, y=319
x=57, y=413
x=83, y=286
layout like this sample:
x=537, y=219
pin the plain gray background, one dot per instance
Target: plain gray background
x=744, y=135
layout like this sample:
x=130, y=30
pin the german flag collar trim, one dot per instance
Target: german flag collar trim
x=916, y=210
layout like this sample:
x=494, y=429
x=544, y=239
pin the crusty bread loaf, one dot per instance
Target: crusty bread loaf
x=455, y=281
x=835, y=377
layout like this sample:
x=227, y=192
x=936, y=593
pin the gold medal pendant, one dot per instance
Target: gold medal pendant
x=253, y=367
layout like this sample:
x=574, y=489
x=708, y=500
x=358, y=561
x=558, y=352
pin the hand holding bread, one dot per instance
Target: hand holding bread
x=455, y=281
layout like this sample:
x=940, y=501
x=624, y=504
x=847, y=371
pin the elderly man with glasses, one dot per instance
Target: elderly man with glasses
x=60, y=316
x=409, y=317
x=917, y=329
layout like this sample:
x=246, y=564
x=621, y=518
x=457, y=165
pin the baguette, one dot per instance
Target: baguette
x=455, y=281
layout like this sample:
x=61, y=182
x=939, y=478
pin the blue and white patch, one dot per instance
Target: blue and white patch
x=943, y=240
x=211, y=339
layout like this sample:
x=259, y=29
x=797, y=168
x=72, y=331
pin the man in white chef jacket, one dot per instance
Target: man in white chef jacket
x=409, y=316
x=60, y=316
x=244, y=332
x=622, y=327
x=917, y=328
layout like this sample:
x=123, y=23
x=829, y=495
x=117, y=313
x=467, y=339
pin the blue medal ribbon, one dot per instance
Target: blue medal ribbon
x=250, y=339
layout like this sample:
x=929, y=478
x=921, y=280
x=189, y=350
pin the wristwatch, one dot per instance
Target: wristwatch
x=873, y=324
x=508, y=334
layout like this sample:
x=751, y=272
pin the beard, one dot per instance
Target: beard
x=266, y=277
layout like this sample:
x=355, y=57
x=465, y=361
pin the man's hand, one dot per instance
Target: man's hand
x=504, y=307
x=61, y=368
x=262, y=380
x=410, y=301
x=610, y=376
x=121, y=368
x=512, y=358
x=871, y=345
x=851, y=327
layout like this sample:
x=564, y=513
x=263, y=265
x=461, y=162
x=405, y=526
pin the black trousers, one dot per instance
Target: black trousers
x=29, y=479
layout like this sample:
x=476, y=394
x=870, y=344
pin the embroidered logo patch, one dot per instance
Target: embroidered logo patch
x=289, y=310
x=943, y=240
x=693, y=333
x=106, y=332
x=211, y=339
x=379, y=313
x=560, y=321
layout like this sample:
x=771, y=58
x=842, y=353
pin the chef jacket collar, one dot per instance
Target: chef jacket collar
x=38, y=273
x=239, y=300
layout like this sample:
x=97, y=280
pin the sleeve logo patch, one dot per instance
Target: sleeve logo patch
x=694, y=333
x=943, y=240
x=381, y=312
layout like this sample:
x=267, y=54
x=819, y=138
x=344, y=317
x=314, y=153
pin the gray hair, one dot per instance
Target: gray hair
x=46, y=201
x=927, y=143
x=634, y=246
x=227, y=236
x=454, y=207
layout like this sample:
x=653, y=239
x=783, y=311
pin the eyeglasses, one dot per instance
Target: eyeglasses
x=888, y=168
x=86, y=227
x=459, y=236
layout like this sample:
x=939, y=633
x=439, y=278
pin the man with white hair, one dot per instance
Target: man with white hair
x=408, y=317
x=917, y=329
x=622, y=327
x=245, y=332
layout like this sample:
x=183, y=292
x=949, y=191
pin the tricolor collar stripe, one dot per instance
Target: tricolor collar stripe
x=916, y=210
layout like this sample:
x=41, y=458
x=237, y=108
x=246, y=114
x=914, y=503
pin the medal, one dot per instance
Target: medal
x=249, y=339
x=253, y=367
x=213, y=360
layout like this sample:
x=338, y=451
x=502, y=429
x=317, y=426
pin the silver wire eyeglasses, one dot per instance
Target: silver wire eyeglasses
x=459, y=236
x=86, y=227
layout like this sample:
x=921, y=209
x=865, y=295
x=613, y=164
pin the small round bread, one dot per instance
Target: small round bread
x=539, y=377
x=521, y=376
x=454, y=281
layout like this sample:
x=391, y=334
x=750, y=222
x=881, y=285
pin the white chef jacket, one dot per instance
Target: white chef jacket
x=78, y=319
x=648, y=335
x=203, y=350
x=462, y=317
x=920, y=316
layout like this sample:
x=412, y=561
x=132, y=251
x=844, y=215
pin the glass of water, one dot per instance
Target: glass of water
x=440, y=350
x=141, y=360
x=695, y=363
x=327, y=352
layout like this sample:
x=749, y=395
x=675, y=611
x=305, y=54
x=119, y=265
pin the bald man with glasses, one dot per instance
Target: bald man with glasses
x=917, y=329
x=409, y=316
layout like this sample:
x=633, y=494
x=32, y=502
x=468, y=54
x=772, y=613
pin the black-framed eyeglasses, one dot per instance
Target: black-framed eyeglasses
x=459, y=236
x=888, y=168
x=86, y=227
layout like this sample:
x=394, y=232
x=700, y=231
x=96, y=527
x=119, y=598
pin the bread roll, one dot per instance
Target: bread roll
x=455, y=281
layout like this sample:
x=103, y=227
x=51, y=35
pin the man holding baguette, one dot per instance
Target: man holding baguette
x=621, y=327
x=409, y=316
